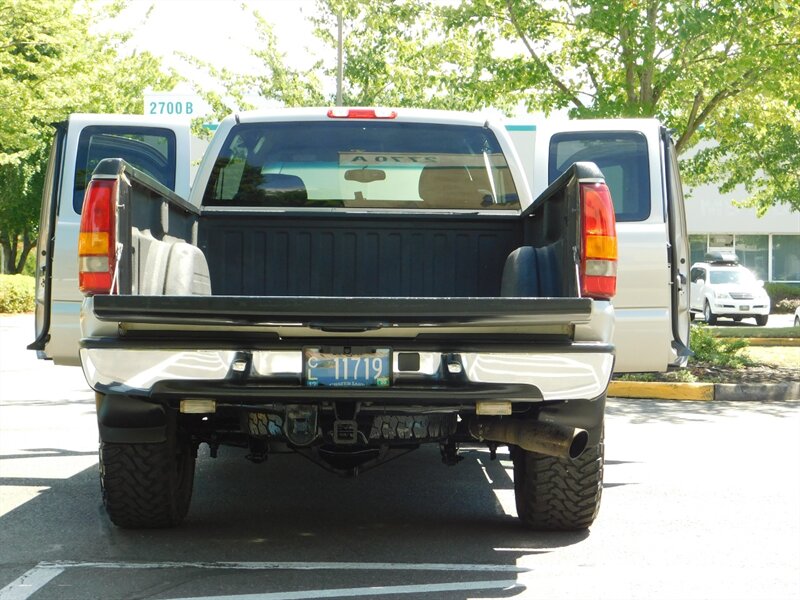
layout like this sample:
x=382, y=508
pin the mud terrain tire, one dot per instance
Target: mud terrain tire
x=147, y=486
x=558, y=494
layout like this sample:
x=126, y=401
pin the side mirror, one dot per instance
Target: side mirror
x=700, y=282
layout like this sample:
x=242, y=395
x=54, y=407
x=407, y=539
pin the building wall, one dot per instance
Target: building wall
x=769, y=245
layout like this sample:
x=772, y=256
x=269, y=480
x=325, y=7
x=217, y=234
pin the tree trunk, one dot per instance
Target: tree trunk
x=9, y=254
x=14, y=254
x=27, y=246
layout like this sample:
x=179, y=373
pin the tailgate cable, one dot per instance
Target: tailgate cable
x=115, y=278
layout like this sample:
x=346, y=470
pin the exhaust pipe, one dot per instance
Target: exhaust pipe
x=535, y=436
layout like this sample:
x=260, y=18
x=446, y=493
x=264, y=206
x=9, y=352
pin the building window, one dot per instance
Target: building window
x=720, y=241
x=753, y=253
x=786, y=258
x=698, y=246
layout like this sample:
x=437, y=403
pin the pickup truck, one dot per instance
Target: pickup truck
x=348, y=284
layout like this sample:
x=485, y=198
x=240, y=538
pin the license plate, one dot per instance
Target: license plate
x=744, y=307
x=347, y=367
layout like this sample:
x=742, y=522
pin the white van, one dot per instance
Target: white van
x=637, y=157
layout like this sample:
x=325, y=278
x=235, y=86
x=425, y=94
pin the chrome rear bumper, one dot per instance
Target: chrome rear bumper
x=581, y=371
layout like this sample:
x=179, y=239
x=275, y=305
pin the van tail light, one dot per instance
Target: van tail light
x=598, y=267
x=97, y=259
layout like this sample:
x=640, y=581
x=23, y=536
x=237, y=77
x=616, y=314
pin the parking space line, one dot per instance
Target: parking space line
x=30, y=582
x=39, y=576
x=432, y=588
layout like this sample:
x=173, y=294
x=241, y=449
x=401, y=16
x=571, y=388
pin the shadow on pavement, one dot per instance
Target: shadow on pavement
x=413, y=511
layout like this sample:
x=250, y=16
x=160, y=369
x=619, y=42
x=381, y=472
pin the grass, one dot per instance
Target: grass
x=753, y=332
x=775, y=356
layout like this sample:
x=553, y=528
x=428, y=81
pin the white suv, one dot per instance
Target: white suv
x=721, y=287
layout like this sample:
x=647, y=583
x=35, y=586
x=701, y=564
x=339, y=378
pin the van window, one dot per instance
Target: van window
x=149, y=149
x=697, y=274
x=621, y=156
x=362, y=164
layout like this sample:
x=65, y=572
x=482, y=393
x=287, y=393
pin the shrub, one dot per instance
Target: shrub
x=780, y=293
x=718, y=352
x=30, y=264
x=787, y=305
x=16, y=293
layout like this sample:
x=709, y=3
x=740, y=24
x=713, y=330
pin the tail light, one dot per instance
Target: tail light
x=97, y=238
x=598, y=268
x=361, y=113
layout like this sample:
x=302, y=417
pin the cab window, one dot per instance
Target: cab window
x=361, y=164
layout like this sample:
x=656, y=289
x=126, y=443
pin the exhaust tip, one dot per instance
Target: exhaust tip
x=579, y=442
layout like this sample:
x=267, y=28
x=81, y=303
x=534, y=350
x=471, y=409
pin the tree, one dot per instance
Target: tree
x=52, y=64
x=399, y=54
x=395, y=54
x=718, y=70
x=755, y=144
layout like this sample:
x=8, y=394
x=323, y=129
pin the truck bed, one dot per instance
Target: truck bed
x=352, y=254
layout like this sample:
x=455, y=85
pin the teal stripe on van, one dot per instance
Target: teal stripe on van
x=520, y=127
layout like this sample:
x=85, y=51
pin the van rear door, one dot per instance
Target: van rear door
x=651, y=332
x=156, y=146
x=679, y=252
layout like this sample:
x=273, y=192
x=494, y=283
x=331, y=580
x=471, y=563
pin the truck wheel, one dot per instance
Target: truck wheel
x=147, y=485
x=709, y=316
x=558, y=494
x=761, y=320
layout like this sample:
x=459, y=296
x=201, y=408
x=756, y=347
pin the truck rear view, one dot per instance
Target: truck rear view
x=349, y=284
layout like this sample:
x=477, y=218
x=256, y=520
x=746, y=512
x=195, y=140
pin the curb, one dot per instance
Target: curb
x=661, y=390
x=721, y=392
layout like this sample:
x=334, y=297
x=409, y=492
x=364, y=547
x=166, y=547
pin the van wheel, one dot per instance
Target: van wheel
x=147, y=485
x=761, y=320
x=709, y=316
x=558, y=494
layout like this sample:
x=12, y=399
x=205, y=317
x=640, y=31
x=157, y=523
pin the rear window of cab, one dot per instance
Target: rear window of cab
x=363, y=164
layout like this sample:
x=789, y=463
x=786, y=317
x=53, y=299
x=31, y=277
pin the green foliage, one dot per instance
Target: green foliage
x=755, y=332
x=723, y=71
x=785, y=297
x=273, y=81
x=715, y=351
x=51, y=65
x=402, y=54
x=397, y=53
x=755, y=145
x=16, y=293
x=677, y=376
